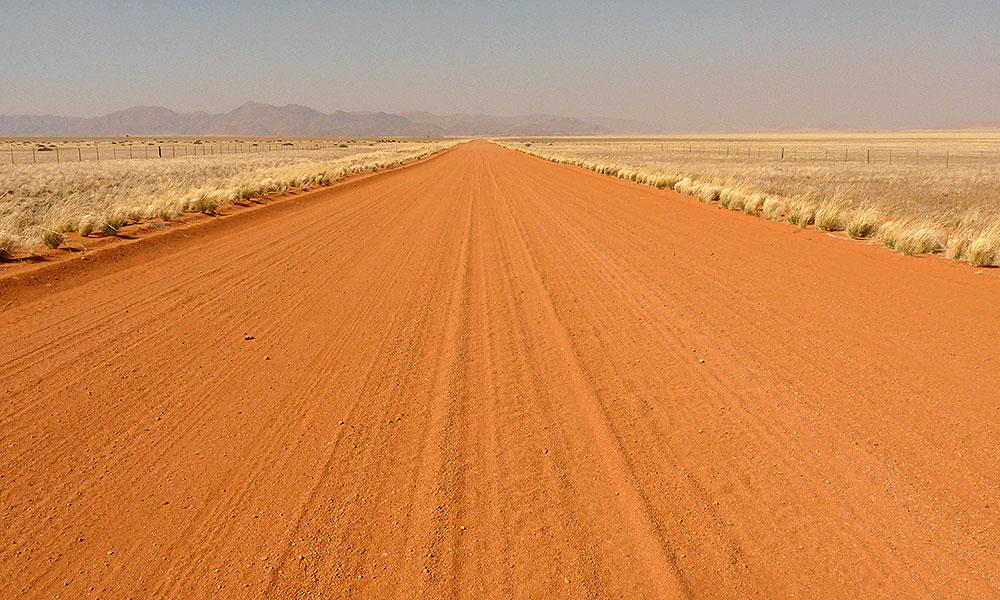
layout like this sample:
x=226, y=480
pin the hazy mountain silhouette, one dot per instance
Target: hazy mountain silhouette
x=256, y=119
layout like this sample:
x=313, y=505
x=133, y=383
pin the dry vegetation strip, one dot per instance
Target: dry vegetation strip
x=916, y=193
x=40, y=202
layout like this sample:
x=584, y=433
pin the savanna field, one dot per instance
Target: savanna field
x=98, y=187
x=916, y=192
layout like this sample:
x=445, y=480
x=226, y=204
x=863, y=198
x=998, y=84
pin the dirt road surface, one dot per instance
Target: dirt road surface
x=488, y=376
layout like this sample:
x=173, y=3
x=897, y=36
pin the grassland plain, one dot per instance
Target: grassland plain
x=41, y=202
x=916, y=192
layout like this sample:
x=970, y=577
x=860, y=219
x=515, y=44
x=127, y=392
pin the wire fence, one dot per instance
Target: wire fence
x=839, y=153
x=36, y=153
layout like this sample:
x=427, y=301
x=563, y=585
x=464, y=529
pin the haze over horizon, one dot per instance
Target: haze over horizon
x=720, y=65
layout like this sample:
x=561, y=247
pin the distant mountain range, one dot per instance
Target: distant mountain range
x=291, y=120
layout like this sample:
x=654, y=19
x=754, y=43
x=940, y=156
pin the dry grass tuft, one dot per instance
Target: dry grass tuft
x=862, y=223
x=984, y=251
x=910, y=237
x=112, y=224
x=830, y=218
x=85, y=226
x=802, y=215
x=774, y=208
x=51, y=238
x=754, y=203
x=7, y=245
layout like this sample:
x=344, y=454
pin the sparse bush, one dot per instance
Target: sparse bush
x=86, y=225
x=663, y=183
x=957, y=246
x=984, y=250
x=7, y=246
x=205, y=204
x=862, y=224
x=754, y=203
x=889, y=232
x=166, y=212
x=728, y=196
x=910, y=238
x=709, y=193
x=801, y=215
x=112, y=224
x=774, y=208
x=52, y=239
x=829, y=218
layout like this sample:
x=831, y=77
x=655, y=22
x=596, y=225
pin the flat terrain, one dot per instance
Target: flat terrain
x=82, y=197
x=487, y=375
x=925, y=192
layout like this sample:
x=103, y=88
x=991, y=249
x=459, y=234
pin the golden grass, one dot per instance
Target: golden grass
x=916, y=192
x=39, y=202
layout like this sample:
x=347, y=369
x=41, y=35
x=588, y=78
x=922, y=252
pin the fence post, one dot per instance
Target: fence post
x=97, y=147
x=79, y=154
x=11, y=148
x=33, y=160
x=782, y=153
x=159, y=151
x=57, y=153
x=869, y=156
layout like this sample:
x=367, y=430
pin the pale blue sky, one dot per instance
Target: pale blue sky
x=688, y=65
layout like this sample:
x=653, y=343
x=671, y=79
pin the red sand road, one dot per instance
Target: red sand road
x=489, y=376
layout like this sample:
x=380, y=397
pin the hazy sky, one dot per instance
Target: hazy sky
x=689, y=65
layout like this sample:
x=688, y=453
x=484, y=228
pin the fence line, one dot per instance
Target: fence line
x=51, y=153
x=857, y=154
